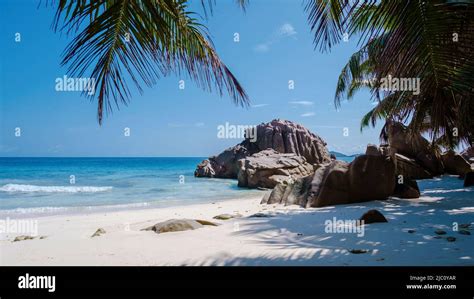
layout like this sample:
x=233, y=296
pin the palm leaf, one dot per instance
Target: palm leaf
x=163, y=38
x=417, y=43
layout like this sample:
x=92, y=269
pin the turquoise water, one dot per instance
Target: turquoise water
x=45, y=184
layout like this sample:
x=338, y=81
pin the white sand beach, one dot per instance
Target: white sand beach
x=291, y=236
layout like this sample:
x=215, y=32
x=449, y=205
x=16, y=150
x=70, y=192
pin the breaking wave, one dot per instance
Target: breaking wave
x=53, y=189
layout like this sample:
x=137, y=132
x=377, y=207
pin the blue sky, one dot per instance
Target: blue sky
x=275, y=46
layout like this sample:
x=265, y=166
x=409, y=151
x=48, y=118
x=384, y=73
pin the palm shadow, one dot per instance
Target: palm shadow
x=298, y=236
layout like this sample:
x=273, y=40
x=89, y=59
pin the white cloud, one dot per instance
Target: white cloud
x=8, y=149
x=176, y=125
x=259, y=105
x=287, y=30
x=284, y=31
x=303, y=103
x=262, y=48
x=56, y=149
x=308, y=114
x=359, y=148
x=183, y=125
x=327, y=127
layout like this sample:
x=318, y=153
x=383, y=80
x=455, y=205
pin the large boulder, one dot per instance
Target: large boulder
x=454, y=163
x=414, y=146
x=372, y=177
x=330, y=185
x=469, y=179
x=410, y=169
x=223, y=165
x=368, y=177
x=288, y=137
x=373, y=150
x=289, y=192
x=407, y=189
x=268, y=168
x=281, y=135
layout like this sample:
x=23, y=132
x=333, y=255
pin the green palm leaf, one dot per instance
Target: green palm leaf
x=413, y=39
x=140, y=41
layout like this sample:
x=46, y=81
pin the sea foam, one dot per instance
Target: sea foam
x=447, y=191
x=53, y=189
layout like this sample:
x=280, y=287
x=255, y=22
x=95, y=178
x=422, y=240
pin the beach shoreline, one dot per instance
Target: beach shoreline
x=280, y=235
x=40, y=212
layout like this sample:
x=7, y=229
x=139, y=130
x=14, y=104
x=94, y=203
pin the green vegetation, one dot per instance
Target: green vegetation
x=429, y=40
x=142, y=41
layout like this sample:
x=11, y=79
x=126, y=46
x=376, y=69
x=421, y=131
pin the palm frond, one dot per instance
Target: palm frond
x=329, y=20
x=140, y=41
x=414, y=39
x=208, y=6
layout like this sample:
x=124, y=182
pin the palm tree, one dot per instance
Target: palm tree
x=141, y=41
x=430, y=40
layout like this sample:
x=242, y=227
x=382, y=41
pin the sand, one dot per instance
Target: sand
x=292, y=236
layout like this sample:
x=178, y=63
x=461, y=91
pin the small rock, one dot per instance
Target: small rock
x=464, y=225
x=226, y=216
x=43, y=237
x=464, y=232
x=299, y=234
x=440, y=232
x=98, y=232
x=358, y=251
x=23, y=238
x=205, y=222
x=373, y=216
x=261, y=215
x=451, y=239
x=411, y=231
x=176, y=225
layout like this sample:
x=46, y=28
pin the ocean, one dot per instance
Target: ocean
x=67, y=185
x=55, y=185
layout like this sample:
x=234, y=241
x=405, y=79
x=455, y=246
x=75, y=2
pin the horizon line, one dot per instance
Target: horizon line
x=134, y=157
